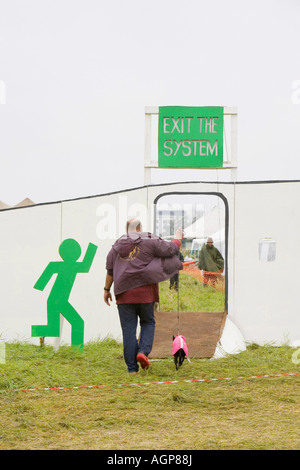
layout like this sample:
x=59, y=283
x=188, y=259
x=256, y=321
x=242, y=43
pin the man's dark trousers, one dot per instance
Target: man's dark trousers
x=129, y=314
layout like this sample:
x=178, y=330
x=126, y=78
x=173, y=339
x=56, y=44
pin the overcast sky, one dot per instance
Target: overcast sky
x=76, y=75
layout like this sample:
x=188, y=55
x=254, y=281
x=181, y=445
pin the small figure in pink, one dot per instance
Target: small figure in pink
x=180, y=350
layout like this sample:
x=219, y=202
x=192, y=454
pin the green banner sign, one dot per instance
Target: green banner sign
x=190, y=137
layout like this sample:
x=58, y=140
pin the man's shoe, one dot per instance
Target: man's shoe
x=143, y=360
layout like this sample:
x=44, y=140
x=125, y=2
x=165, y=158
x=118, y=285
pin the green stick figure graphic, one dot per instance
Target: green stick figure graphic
x=58, y=300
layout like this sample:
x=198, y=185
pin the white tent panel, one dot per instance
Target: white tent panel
x=262, y=295
x=266, y=293
x=29, y=239
x=210, y=223
x=231, y=342
x=100, y=220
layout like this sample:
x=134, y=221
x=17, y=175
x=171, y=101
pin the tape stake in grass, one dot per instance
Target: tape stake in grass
x=2, y=352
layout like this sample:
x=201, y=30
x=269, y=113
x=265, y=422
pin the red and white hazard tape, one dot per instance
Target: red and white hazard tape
x=45, y=389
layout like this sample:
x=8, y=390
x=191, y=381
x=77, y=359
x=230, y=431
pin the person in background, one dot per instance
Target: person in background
x=136, y=263
x=211, y=262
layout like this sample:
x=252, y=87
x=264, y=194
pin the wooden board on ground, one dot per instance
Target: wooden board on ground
x=201, y=329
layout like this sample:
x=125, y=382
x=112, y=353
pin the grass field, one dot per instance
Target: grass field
x=191, y=296
x=262, y=413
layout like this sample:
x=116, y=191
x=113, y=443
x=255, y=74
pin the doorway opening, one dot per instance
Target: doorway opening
x=194, y=303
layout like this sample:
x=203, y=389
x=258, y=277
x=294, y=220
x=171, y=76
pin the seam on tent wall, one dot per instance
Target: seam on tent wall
x=149, y=186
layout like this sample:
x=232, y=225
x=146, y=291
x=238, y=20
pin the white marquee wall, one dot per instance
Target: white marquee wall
x=262, y=296
x=266, y=306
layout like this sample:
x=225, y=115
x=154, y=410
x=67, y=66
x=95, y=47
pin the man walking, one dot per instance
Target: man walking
x=211, y=262
x=136, y=263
